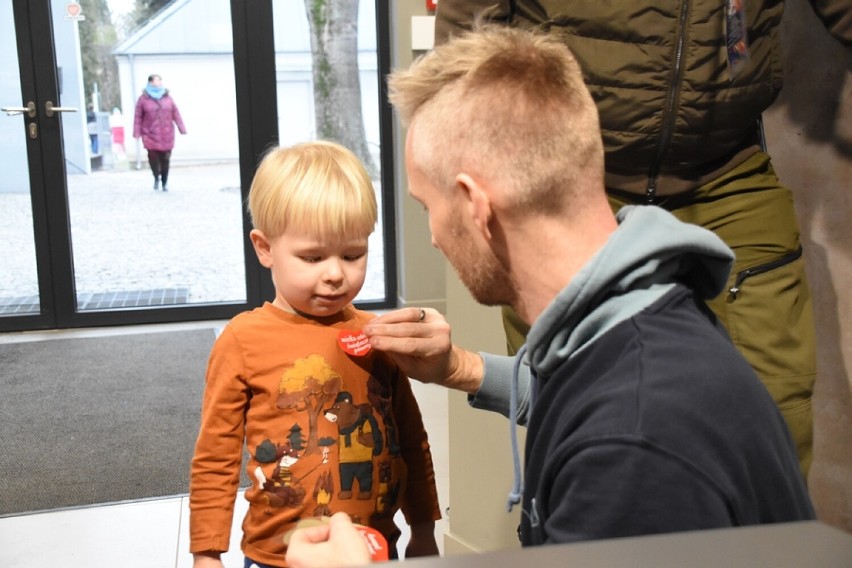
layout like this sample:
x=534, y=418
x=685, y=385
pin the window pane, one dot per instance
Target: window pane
x=134, y=243
x=18, y=276
x=347, y=95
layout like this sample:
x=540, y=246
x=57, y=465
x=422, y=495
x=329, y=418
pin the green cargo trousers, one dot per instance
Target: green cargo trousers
x=766, y=306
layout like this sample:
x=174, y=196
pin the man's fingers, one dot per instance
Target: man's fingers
x=339, y=519
x=425, y=346
x=404, y=315
x=314, y=534
x=405, y=323
x=401, y=329
x=401, y=315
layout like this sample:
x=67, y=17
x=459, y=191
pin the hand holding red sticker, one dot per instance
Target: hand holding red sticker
x=377, y=544
x=354, y=342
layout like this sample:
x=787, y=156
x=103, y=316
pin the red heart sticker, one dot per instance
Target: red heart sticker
x=354, y=342
x=73, y=9
x=377, y=543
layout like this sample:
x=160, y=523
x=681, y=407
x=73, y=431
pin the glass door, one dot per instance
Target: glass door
x=329, y=80
x=88, y=238
x=128, y=144
x=153, y=170
x=19, y=293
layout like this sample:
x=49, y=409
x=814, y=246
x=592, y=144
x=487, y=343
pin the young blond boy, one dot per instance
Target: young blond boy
x=328, y=424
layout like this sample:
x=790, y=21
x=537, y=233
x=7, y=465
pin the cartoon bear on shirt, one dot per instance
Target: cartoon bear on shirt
x=359, y=440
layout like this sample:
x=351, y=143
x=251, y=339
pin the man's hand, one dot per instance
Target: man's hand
x=337, y=543
x=423, y=348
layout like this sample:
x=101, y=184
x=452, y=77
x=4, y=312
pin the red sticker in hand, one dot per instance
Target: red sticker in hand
x=377, y=543
x=354, y=342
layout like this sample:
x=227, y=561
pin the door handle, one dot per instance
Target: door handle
x=50, y=110
x=30, y=109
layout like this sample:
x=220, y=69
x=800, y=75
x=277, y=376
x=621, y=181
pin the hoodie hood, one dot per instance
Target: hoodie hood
x=650, y=252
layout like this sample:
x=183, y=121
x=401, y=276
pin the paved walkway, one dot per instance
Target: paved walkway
x=128, y=238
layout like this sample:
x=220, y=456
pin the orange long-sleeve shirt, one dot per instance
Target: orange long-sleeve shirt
x=325, y=431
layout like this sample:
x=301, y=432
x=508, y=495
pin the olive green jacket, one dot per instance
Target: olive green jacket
x=673, y=114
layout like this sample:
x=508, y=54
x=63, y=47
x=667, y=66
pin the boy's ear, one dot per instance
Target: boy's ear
x=478, y=202
x=262, y=248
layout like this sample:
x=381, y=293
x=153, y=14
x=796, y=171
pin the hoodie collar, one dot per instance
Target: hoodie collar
x=649, y=253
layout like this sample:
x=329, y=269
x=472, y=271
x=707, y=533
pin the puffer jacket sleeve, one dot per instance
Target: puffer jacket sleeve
x=177, y=118
x=836, y=15
x=137, y=117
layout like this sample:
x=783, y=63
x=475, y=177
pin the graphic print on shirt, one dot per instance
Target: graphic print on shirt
x=304, y=388
x=307, y=386
x=388, y=491
x=379, y=395
x=359, y=439
x=280, y=488
x=297, y=467
x=323, y=490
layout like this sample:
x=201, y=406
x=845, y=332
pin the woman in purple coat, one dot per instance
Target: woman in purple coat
x=156, y=115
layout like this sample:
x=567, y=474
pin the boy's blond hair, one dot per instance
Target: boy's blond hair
x=317, y=188
x=508, y=103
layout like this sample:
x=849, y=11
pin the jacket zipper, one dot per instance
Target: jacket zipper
x=668, y=111
x=763, y=268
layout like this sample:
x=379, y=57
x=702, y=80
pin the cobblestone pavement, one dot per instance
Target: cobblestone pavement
x=128, y=237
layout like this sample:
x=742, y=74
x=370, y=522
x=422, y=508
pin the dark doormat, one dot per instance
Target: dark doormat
x=99, y=420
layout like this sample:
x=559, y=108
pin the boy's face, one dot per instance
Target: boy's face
x=311, y=276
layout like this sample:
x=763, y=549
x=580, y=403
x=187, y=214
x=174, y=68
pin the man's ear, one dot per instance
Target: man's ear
x=262, y=248
x=478, y=201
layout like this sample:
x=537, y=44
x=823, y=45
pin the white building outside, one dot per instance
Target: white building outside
x=189, y=44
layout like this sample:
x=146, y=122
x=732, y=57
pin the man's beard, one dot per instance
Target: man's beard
x=481, y=272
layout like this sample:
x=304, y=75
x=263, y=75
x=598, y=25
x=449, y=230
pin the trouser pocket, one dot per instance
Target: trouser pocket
x=767, y=311
x=743, y=275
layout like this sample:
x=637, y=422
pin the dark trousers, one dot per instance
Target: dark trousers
x=159, y=162
x=249, y=563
